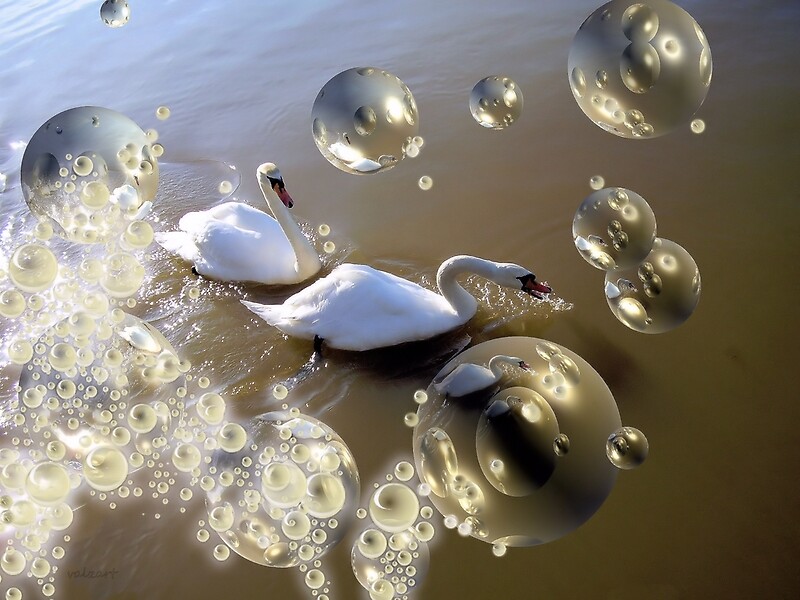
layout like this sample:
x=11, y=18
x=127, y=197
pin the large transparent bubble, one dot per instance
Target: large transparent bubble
x=657, y=295
x=525, y=465
x=639, y=69
x=81, y=168
x=614, y=228
x=283, y=494
x=495, y=102
x=105, y=380
x=364, y=120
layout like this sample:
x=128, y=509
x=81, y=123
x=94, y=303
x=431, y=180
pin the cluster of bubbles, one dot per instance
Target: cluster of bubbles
x=365, y=120
x=526, y=461
x=639, y=69
x=652, y=284
x=390, y=557
x=106, y=407
x=282, y=493
x=495, y=102
x=115, y=13
x=80, y=193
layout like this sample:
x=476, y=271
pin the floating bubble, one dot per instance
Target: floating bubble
x=627, y=448
x=225, y=187
x=115, y=13
x=47, y=484
x=697, y=126
x=375, y=559
x=107, y=151
x=324, y=230
x=425, y=183
x=495, y=102
x=303, y=497
x=33, y=267
x=105, y=468
x=364, y=120
x=596, y=182
x=394, y=507
x=329, y=247
x=561, y=492
x=659, y=294
x=614, y=228
x=514, y=441
x=649, y=65
x=163, y=113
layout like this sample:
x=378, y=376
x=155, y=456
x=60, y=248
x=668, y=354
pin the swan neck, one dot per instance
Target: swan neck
x=462, y=301
x=307, y=261
x=494, y=364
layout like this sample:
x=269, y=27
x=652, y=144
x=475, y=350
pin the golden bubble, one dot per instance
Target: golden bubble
x=82, y=166
x=324, y=230
x=163, y=113
x=12, y=304
x=33, y=267
x=105, y=468
x=329, y=247
x=225, y=187
x=95, y=195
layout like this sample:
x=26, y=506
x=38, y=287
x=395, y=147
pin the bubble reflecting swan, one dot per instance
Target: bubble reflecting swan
x=657, y=295
x=364, y=120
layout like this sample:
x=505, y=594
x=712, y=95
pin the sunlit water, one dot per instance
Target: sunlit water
x=240, y=80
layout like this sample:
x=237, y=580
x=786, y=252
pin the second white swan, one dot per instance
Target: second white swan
x=236, y=242
x=359, y=308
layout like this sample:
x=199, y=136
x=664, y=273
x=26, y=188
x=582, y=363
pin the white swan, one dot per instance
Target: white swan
x=360, y=308
x=236, y=242
x=468, y=378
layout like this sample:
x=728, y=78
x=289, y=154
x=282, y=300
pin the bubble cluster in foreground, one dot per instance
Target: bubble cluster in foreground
x=390, y=557
x=657, y=295
x=365, y=120
x=86, y=168
x=524, y=465
x=614, y=228
x=286, y=491
x=496, y=102
x=639, y=70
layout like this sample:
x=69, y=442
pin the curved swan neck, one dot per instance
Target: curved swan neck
x=307, y=261
x=495, y=361
x=461, y=300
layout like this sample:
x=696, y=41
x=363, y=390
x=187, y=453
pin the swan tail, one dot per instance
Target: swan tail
x=271, y=313
x=177, y=242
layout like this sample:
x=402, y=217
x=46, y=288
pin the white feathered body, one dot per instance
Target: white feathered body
x=357, y=307
x=233, y=242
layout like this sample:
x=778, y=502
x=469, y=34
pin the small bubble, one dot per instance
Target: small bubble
x=225, y=187
x=698, y=126
x=324, y=230
x=163, y=113
x=597, y=182
x=425, y=183
x=329, y=247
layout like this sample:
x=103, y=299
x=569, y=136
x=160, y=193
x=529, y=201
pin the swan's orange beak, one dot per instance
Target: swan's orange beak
x=532, y=287
x=283, y=195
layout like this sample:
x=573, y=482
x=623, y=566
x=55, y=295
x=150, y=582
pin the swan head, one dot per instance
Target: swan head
x=269, y=176
x=514, y=276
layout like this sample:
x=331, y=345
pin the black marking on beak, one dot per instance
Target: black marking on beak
x=532, y=287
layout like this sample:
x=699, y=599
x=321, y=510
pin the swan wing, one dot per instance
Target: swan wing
x=465, y=379
x=357, y=307
x=234, y=242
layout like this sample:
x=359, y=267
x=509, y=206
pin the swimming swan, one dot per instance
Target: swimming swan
x=360, y=308
x=468, y=378
x=236, y=242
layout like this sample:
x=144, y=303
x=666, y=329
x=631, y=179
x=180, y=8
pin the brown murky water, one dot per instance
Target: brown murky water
x=713, y=512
